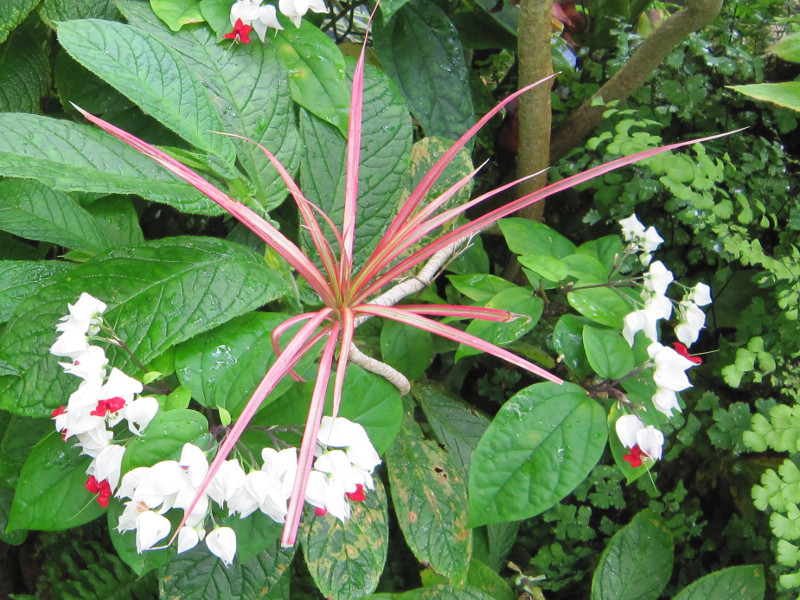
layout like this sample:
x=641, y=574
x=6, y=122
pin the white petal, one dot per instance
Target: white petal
x=131, y=481
x=120, y=385
x=658, y=278
x=640, y=320
x=650, y=441
x=246, y=10
x=71, y=343
x=665, y=401
x=651, y=240
x=632, y=228
x=194, y=462
x=150, y=528
x=140, y=412
x=701, y=294
x=627, y=427
x=660, y=306
x=188, y=538
x=226, y=482
x=89, y=364
x=108, y=465
x=222, y=543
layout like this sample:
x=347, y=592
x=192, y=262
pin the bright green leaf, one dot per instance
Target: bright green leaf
x=785, y=94
x=524, y=236
x=14, y=13
x=602, y=305
x=607, y=351
x=177, y=13
x=734, y=583
x=480, y=287
x=21, y=278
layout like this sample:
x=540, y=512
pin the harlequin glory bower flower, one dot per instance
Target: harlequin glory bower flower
x=348, y=294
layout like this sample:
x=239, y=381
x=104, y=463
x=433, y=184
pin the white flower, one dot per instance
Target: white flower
x=295, y=9
x=632, y=228
x=246, y=10
x=227, y=481
x=108, y=465
x=222, y=543
x=341, y=433
x=140, y=412
x=658, y=278
x=338, y=466
x=94, y=441
x=327, y=494
x=632, y=432
x=641, y=240
x=700, y=294
x=267, y=17
x=188, y=537
x=83, y=320
x=650, y=241
x=665, y=401
x=150, y=528
x=692, y=320
x=258, y=17
x=670, y=372
x=89, y=364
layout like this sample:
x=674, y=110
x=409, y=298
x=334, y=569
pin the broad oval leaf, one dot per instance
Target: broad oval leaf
x=24, y=69
x=421, y=51
x=406, y=348
x=637, y=563
x=524, y=236
x=541, y=444
x=159, y=294
x=430, y=497
x=602, y=305
x=568, y=342
x=607, y=351
x=50, y=493
x=21, y=278
x=70, y=157
x=152, y=75
x=734, y=583
x=53, y=11
x=346, y=559
x=34, y=211
x=785, y=94
x=480, y=287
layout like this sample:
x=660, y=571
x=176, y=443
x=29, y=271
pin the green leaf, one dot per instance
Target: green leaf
x=517, y=300
x=159, y=294
x=637, y=563
x=53, y=11
x=50, y=492
x=607, y=351
x=605, y=250
x=389, y=7
x=14, y=13
x=177, y=13
x=541, y=444
x=70, y=157
x=256, y=534
x=788, y=48
x=316, y=73
x=585, y=269
x=437, y=592
x=117, y=217
x=19, y=438
x=34, y=211
x=21, y=278
x=430, y=497
x=568, y=342
x=346, y=559
x=548, y=267
x=524, y=236
x=15, y=538
x=385, y=149
x=224, y=366
x=603, y=305
x=251, y=92
x=164, y=438
x=420, y=50
x=199, y=575
x=785, y=94
x=455, y=425
x=152, y=75
x=480, y=287
x=24, y=70
x=734, y=583
x=481, y=576
x=406, y=348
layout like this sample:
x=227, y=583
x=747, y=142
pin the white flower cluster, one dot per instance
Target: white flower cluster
x=102, y=399
x=260, y=18
x=670, y=364
x=345, y=457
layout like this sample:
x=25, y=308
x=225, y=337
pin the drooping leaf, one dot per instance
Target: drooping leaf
x=70, y=157
x=346, y=559
x=541, y=444
x=250, y=90
x=14, y=13
x=389, y=7
x=15, y=538
x=50, y=493
x=420, y=50
x=256, y=534
x=24, y=69
x=159, y=294
x=316, y=73
x=734, y=583
x=430, y=496
x=19, y=438
x=385, y=150
x=637, y=563
x=481, y=576
x=34, y=211
x=437, y=592
x=152, y=75
x=406, y=348
x=568, y=342
x=21, y=278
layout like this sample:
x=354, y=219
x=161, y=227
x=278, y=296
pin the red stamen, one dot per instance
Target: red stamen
x=635, y=456
x=59, y=411
x=240, y=33
x=684, y=352
x=358, y=495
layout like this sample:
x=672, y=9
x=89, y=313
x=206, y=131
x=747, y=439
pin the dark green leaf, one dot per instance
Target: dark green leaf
x=602, y=305
x=586, y=269
x=524, y=236
x=607, y=351
x=14, y=13
x=406, y=348
x=734, y=583
x=480, y=287
x=50, y=492
x=568, y=342
x=420, y=50
x=481, y=576
x=65, y=10
x=159, y=294
x=436, y=592
x=15, y=538
x=605, y=249
x=542, y=443
x=255, y=534
x=19, y=438
x=637, y=563
x=117, y=217
x=152, y=75
x=346, y=559
x=34, y=211
x=24, y=69
x=21, y=278
x=430, y=497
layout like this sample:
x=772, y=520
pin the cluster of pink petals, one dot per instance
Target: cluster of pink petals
x=102, y=399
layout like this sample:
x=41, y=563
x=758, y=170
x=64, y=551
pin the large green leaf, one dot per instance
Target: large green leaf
x=165, y=437
x=34, y=211
x=50, y=491
x=316, y=73
x=70, y=157
x=788, y=48
x=437, y=592
x=64, y=10
x=608, y=352
x=199, y=575
x=637, y=563
x=116, y=216
x=19, y=438
x=385, y=150
x=603, y=305
x=21, y=278
x=14, y=13
x=159, y=294
x=421, y=51
x=406, y=348
x=152, y=75
x=177, y=13
x=524, y=236
x=430, y=499
x=541, y=444
x=24, y=71
x=346, y=559
x=250, y=89
x=734, y=583
x=785, y=94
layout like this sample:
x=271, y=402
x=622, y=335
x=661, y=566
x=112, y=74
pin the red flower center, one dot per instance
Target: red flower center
x=358, y=495
x=102, y=488
x=240, y=33
x=684, y=352
x=111, y=405
x=635, y=456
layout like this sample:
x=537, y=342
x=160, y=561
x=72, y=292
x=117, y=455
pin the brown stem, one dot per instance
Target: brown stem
x=668, y=35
